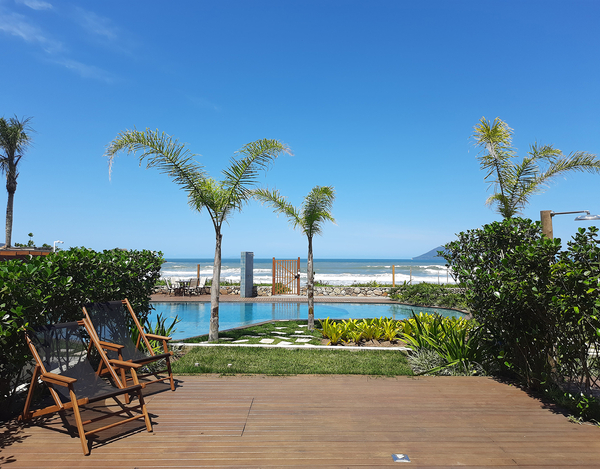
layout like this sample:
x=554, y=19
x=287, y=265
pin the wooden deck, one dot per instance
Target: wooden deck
x=321, y=421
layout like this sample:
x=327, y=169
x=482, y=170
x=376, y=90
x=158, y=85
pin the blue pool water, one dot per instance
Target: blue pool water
x=195, y=316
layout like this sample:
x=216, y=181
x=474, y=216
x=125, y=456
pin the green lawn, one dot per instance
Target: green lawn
x=286, y=361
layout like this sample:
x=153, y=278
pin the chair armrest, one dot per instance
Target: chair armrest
x=123, y=364
x=157, y=337
x=57, y=379
x=111, y=346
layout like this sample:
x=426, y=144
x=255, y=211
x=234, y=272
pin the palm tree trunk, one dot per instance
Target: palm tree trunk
x=310, y=288
x=215, y=289
x=9, y=218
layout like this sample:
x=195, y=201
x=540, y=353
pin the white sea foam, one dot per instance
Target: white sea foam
x=331, y=272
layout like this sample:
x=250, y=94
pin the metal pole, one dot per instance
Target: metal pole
x=298, y=277
x=393, y=276
x=273, y=286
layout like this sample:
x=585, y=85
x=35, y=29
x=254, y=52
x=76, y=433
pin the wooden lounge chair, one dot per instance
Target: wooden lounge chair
x=62, y=362
x=112, y=323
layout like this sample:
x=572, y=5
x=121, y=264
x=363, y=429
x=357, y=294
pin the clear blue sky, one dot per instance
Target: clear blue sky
x=376, y=98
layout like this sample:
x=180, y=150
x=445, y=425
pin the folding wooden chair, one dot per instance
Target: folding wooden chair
x=113, y=323
x=62, y=362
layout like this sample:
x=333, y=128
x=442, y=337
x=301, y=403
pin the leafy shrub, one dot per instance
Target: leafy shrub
x=52, y=289
x=506, y=267
x=539, y=305
x=429, y=294
x=457, y=342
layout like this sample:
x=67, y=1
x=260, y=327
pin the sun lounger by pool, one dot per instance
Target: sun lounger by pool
x=62, y=363
x=112, y=323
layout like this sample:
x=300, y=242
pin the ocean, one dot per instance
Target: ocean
x=330, y=271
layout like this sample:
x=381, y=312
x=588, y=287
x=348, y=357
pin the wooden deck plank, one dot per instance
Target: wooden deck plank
x=321, y=421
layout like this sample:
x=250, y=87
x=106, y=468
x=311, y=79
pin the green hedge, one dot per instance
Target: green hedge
x=430, y=294
x=52, y=289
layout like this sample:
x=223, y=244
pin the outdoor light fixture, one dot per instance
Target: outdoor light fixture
x=587, y=217
x=546, y=217
x=54, y=245
x=400, y=457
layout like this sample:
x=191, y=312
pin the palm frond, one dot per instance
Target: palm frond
x=316, y=209
x=242, y=173
x=160, y=151
x=576, y=161
x=279, y=204
x=544, y=152
x=15, y=138
x=495, y=140
x=503, y=205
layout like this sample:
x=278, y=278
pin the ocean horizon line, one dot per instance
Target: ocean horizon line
x=337, y=259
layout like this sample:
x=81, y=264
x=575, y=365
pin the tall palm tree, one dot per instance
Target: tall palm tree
x=315, y=210
x=219, y=198
x=14, y=140
x=514, y=183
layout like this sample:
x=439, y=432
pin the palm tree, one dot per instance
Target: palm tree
x=514, y=183
x=315, y=210
x=14, y=140
x=220, y=198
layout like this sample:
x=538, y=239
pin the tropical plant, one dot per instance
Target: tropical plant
x=391, y=329
x=370, y=329
x=515, y=183
x=332, y=330
x=507, y=269
x=458, y=342
x=160, y=328
x=219, y=198
x=15, y=138
x=315, y=210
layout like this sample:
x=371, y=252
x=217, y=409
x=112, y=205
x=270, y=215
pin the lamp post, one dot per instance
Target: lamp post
x=546, y=218
x=54, y=245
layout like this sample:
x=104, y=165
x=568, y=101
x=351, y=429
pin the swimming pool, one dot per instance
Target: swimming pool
x=195, y=317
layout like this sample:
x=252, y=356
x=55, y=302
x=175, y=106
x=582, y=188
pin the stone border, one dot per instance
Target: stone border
x=309, y=347
x=265, y=291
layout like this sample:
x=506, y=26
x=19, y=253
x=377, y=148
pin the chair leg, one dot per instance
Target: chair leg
x=82, y=437
x=170, y=375
x=29, y=399
x=144, y=410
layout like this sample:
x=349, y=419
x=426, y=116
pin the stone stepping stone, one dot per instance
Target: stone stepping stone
x=305, y=325
x=279, y=333
x=303, y=340
x=298, y=332
x=281, y=328
x=303, y=336
x=226, y=338
x=283, y=342
x=267, y=341
x=252, y=336
x=239, y=341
